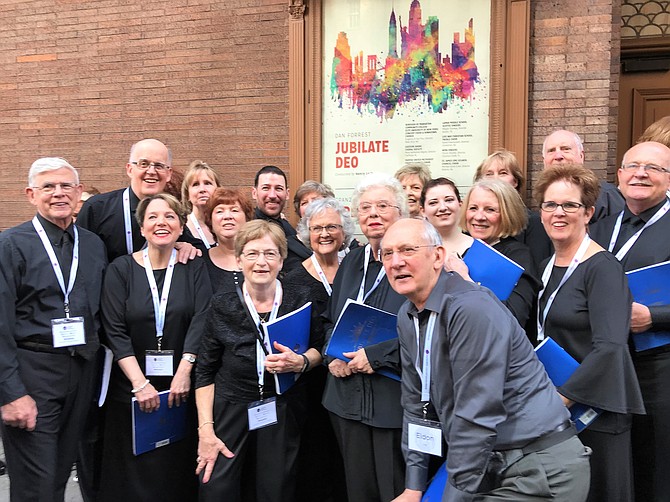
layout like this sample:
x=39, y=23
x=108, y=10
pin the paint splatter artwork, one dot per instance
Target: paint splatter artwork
x=414, y=69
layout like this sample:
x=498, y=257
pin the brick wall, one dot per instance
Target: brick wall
x=574, y=78
x=84, y=80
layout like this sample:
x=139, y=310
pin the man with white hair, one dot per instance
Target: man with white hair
x=50, y=281
x=566, y=147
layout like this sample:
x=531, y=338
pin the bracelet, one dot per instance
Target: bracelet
x=306, y=365
x=205, y=423
x=141, y=387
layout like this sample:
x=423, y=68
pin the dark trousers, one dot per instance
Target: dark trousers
x=263, y=468
x=39, y=462
x=373, y=463
x=651, y=432
x=611, y=466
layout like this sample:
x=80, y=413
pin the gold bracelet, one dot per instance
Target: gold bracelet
x=205, y=423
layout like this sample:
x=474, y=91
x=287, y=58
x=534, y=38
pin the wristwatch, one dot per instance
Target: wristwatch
x=188, y=357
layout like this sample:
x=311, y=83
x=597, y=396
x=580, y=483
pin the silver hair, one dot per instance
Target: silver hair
x=578, y=141
x=132, y=150
x=318, y=206
x=46, y=164
x=430, y=234
x=380, y=180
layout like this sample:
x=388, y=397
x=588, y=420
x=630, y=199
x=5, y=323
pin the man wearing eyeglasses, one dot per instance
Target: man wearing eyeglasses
x=566, y=147
x=112, y=215
x=639, y=236
x=50, y=281
x=469, y=374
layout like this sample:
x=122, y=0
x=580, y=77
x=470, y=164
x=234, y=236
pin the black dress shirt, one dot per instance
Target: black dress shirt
x=286, y=226
x=102, y=214
x=652, y=247
x=30, y=296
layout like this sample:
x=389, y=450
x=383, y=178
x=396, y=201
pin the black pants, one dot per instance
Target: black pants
x=373, y=463
x=263, y=468
x=39, y=462
x=651, y=432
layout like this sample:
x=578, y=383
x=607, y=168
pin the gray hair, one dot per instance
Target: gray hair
x=430, y=234
x=578, y=141
x=318, y=206
x=310, y=186
x=380, y=180
x=46, y=164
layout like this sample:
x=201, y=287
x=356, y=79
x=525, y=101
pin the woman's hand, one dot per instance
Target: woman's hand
x=640, y=320
x=339, y=369
x=359, y=362
x=180, y=385
x=286, y=361
x=408, y=496
x=209, y=449
x=148, y=399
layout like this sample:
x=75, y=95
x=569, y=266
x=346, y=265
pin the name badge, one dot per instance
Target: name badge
x=67, y=332
x=425, y=437
x=262, y=413
x=159, y=362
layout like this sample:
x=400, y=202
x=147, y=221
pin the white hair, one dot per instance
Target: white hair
x=46, y=164
x=381, y=180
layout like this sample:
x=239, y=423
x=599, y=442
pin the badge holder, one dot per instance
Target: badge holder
x=262, y=413
x=68, y=331
x=159, y=362
x=424, y=435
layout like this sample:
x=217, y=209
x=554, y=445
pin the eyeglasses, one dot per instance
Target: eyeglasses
x=405, y=251
x=318, y=229
x=50, y=188
x=269, y=254
x=382, y=207
x=569, y=207
x=634, y=166
x=144, y=164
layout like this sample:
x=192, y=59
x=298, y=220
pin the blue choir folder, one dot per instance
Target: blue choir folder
x=292, y=330
x=158, y=428
x=490, y=268
x=650, y=286
x=560, y=366
x=361, y=325
x=437, y=486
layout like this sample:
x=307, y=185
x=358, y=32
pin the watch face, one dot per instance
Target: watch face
x=189, y=358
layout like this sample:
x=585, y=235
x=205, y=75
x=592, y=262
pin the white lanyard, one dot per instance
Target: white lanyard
x=630, y=242
x=424, y=372
x=260, y=353
x=56, y=266
x=361, y=291
x=126, y=221
x=574, y=263
x=321, y=275
x=160, y=304
x=198, y=229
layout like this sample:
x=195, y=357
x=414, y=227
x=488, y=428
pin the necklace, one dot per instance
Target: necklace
x=263, y=317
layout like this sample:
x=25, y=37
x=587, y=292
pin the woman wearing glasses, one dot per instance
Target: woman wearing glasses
x=250, y=435
x=365, y=406
x=585, y=307
x=152, y=312
x=327, y=228
x=199, y=184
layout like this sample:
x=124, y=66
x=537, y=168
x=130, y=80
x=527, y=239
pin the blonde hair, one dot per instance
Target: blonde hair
x=194, y=170
x=257, y=229
x=513, y=212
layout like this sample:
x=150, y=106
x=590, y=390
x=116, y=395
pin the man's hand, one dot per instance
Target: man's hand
x=186, y=252
x=21, y=413
x=640, y=319
x=359, y=362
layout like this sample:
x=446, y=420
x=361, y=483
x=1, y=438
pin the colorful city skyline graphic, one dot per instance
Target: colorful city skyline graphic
x=419, y=73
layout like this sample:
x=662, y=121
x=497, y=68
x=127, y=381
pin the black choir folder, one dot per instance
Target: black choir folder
x=492, y=269
x=158, y=428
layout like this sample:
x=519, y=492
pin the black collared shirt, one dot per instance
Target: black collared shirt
x=286, y=226
x=102, y=214
x=30, y=296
